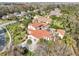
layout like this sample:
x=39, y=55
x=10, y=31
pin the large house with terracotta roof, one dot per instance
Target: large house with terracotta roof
x=39, y=29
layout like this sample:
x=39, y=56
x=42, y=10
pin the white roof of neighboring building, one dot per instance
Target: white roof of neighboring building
x=56, y=12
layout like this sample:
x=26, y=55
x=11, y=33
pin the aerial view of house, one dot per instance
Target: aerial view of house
x=39, y=29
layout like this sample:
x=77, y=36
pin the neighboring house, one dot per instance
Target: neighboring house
x=23, y=13
x=41, y=19
x=17, y=14
x=4, y=17
x=56, y=12
x=38, y=26
x=36, y=10
x=61, y=33
x=10, y=16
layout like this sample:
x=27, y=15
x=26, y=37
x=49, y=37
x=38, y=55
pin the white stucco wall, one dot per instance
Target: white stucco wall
x=31, y=27
x=47, y=38
x=34, y=39
x=34, y=42
x=61, y=36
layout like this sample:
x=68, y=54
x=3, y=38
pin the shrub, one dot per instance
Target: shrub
x=29, y=41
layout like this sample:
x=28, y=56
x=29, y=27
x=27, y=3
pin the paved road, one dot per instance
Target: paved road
x=8, y=23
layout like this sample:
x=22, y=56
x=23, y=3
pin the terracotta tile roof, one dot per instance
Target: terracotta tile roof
x=40, y=33
x=38, y=24
x=62, y=32
x=42, y=19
